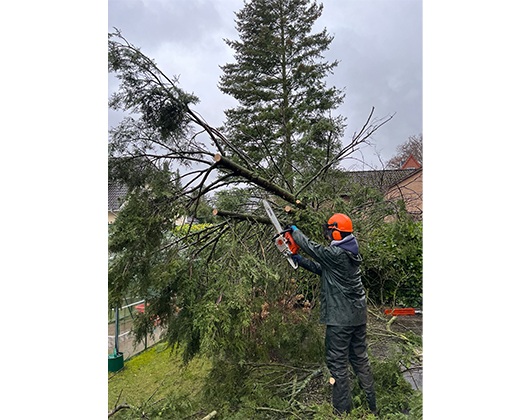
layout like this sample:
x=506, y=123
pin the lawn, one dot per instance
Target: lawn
x=157, y=384
x=157, y=381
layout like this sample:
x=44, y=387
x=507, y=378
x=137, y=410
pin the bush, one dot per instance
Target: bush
x=393, y=263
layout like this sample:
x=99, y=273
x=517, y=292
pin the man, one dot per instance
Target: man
x=343, y=307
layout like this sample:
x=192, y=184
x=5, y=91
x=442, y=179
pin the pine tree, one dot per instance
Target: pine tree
x=283, y=124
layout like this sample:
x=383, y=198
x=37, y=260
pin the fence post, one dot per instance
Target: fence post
x=117, y=330
x=145, y=342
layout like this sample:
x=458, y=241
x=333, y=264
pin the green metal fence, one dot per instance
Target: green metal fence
x=120, y=325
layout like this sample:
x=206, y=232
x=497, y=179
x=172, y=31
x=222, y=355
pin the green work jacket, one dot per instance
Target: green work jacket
x=342, y=297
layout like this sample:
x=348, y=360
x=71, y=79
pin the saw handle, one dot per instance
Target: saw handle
x=293, y=246
x=288, y=239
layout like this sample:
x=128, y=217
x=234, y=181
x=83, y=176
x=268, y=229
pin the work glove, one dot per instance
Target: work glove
x=296, y=258
x=290, y=228
x=293, y=246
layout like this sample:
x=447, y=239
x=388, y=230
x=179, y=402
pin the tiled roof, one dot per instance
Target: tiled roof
x=383, y=180
x=117, y=193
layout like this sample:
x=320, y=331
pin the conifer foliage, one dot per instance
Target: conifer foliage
x=283, y=122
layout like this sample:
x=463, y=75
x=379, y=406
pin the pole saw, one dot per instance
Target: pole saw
x=283, y=238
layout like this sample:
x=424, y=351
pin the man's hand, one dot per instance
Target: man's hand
x=290, y=228
x=288, y=234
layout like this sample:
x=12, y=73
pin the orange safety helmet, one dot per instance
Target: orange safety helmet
x=336, y=224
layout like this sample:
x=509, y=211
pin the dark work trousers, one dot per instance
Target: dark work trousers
x=343, y=345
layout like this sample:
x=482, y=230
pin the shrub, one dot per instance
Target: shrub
x=393, y=261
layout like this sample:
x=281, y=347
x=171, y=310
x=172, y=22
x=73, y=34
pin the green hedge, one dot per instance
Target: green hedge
x=393, y=263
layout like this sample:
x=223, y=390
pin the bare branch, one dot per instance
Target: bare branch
x=118, y=408
x=213, y=241
x=357, y=139
x=216, y=136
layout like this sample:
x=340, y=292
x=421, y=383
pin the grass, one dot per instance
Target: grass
x=157, y=381
x=157, y=384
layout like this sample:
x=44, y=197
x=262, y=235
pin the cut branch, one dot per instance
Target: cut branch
x=210, y=416
x=239, y=170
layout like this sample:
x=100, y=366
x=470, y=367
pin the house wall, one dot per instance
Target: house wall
x=112, y=217
x=411, y=163
x=409, y=190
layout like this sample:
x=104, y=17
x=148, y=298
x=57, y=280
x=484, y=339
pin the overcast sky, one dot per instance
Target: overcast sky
x=378, y=44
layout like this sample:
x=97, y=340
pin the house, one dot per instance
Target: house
x=404, y=184
x=411, y=162
x=116, y=198
x=381, y=180
x=410, y=190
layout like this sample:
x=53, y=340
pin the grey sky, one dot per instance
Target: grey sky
x=378, y=44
